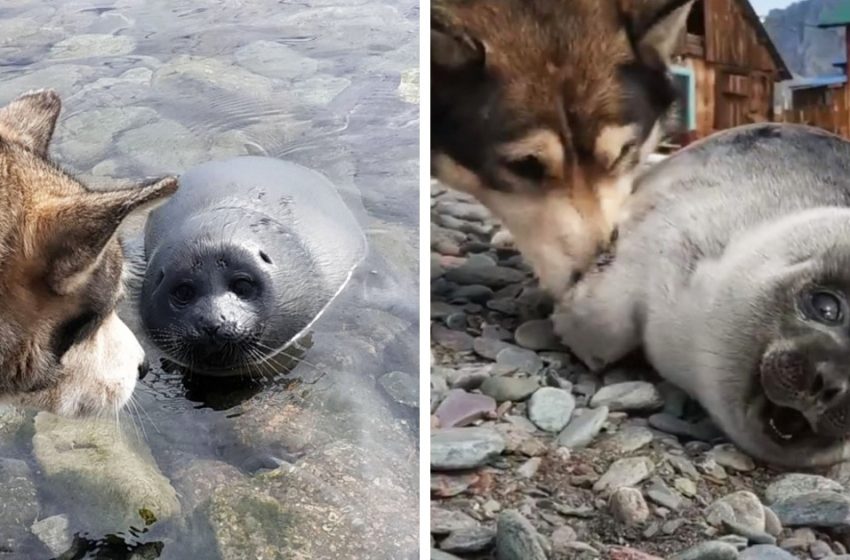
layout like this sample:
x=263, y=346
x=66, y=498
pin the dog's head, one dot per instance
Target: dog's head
x=62, y=346
x=543, y=109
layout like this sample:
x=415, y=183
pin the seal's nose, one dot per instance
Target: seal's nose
x=144, y=368
x=828, y=386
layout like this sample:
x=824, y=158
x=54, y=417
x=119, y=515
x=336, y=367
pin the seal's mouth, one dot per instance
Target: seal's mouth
x=785, y=425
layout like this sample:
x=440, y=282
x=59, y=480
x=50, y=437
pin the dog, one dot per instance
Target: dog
x=544, y=109
x=62, y=346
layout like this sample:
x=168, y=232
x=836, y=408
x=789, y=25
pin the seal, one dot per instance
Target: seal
x=244, y=261
x=732, y=272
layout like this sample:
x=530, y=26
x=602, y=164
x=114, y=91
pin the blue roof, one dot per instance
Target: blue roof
x=819, y=81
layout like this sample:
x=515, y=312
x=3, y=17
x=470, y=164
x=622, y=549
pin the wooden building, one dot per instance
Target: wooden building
x=824, y=101
x=727, y=67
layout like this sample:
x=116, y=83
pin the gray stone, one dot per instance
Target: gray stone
x=18, y=503
x=686, y=486
x=520, y=358
x=663, y=495
x=474, y=293
x=185, y=72
x=440, y=555
x=537, y=334
x=772, y=524
x=550, y=408
x=54, y=533
x=491, y=276
x=92, y=45
x=110, y=477
x=458, y=341
x=401, y=387
x=529, y=468
x=509, y=388
x=488, y=347
x=86, y=137
x=275, y=60
x=446, y=521
x=628, y=439
x=793, y=484
x=464, y=448
x=516, y=538
x=683, y=465
x=469, y=540
x=628, y=506
x=814, y=509
x=709, y=550
x=625, y=472
x=755, y=537
x=730, y=456
x=742, y=508
x=629, y=396
x=765, y=552
x=584, y=425
x=162, y=146
x=820, y=549
x=467, y=377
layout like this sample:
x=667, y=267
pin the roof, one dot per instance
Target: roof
x=755, y=21
x=837, y=15
x=819, y=81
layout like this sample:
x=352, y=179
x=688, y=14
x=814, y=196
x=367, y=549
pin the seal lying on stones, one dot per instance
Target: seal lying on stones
x=243, y=261
x=732, y=271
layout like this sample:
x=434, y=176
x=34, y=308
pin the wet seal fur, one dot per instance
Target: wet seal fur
x=243, y=260
x=732, y=271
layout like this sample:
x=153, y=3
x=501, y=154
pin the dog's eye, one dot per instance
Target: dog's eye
x=183, y=293
x=528, y=167
x=72, y=332
x=825, y=307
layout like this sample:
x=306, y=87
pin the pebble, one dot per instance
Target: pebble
x=464, y=448
x=488, y=347
x=765, y=552
x=54, y=533
x=561, y=537
x=537, y=334
x=550, y=409
x=820, y=549
x=486, y=275
x=742, y=508
x=437, y=554
x=445, y=521
x=814, y=509
x=516, y=538
x=709, y=467
x=451, y=339
x=662, y=495
x=730, y=456
x=520, y=358
x=709, y=550
x=629, y=439
x=509, y=388
x=628, y=506
x=772, y=524
x=683, y=465
x=686, y=486
x=473, y=292
x=794, y=484
x=626, y=553
x=529, y=468
x=628, y=396
x=625, y=472
x=584, y=425
x=469, y=539
x=460, y=408
x=446, y=486
x=468, y=377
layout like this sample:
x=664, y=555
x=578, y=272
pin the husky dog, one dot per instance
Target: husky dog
x=62, y=346
x=543, y=110
x=732, y=272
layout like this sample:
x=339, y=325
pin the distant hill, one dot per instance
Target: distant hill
x=807, y=50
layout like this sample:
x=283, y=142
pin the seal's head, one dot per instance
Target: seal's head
x=777, y=340
x=215, y=305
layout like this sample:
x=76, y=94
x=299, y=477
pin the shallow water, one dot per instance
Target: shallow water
x=314, y=462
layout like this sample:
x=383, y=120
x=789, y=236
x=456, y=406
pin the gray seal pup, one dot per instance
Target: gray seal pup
x=243, y=262
x=732, y=272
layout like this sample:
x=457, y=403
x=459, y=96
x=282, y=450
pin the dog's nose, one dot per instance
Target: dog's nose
x=144, y=368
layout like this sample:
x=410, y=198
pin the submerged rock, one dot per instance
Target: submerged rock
x=112, y=479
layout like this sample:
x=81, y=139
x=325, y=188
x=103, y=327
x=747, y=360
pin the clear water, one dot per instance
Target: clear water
x=154, y=87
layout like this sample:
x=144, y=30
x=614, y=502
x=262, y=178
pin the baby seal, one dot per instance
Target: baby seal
x=243, y=261
x=732, y=271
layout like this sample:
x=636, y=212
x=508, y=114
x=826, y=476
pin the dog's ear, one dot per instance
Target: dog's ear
x=656, y=26
x=76, y=229
x=30, y=119
x=451, y=48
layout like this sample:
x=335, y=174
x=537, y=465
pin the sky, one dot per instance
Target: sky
x=764, y=6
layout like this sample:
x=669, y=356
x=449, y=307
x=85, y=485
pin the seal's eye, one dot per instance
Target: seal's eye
x=243, y=287
x=825, y=307
x=183, y=293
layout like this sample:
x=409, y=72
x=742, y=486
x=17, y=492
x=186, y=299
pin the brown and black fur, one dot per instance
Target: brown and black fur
x=535, y=101
x=62, y=347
